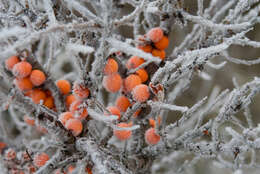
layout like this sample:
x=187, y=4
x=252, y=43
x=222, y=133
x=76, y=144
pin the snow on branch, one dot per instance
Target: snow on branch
x=130, y=50
x=80, y=48
x=219, y=27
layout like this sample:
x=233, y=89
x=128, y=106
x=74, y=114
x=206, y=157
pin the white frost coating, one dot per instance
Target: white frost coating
x=131, y=16
x=152, y=9
x=101, y=117
x=134, y=127
x=13, y=31
x=219, y=27
x=80, y=48
x=84, y=11
x=49, y=10
x=168, y=106
x=128, y=49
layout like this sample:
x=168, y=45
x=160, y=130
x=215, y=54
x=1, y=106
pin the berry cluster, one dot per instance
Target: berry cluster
x=77, y=111
x=133, y=88
x=31, y=82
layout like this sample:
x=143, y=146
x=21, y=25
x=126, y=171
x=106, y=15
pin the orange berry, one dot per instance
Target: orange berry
x=2, y=146
x=142, y=74
x=123, y=134
x=64, y=86
x=70, y=169
x=145, y=48
x=10, y=62
x=37, y=77
x=58, y=171
x=88, y=170
x=49, y=102
x=112, y=83
x=29, y=120
x=31, y=168
x=41, y=129
x=22, y=69
x=159, y=53
x=151, y=137
x=37, y=95
x=78, y=110
x=80, y=91
x=40, y=159
x=134, y=62
x=155, y=34
x=75, y=126
x=65, y=116
x=114, y=111
x=141, y=93
x=153, y=123
x=111, y=67
x=162, y=44
x=131, y=81
x=69, y=100
x=122, y=103
x=23, y=84
x=10, y=154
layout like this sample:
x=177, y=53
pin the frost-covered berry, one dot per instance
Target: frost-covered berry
x=78, y=110
x=10, y=62
x=37, y=95
x=151, y=137
x=23, y=84
x=29, y=120
x=49, y=102
x=145, y=48
x=22, y=69
x=112, y=83
x=131, y=81
x=134, y=62
x=40, y=159
x=37, y=77
x=75, y=126
x=70, y=99
x=155, y=34
x=64, y=86
x=123, y=134
x=159, y=53
x=141, y=93
x=114, y=111
x=111, y=67
x=65, y=116
x=80, y=91
x=122, y=103
x=142, y=74
x=162, y=44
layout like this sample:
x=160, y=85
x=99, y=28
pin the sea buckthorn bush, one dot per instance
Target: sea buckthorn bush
x=129, y=86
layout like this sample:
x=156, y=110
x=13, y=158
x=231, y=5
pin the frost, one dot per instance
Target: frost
x=202, y=102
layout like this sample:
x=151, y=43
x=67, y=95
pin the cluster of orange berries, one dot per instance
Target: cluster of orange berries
x=134, y=87
x=30, y=162
x=77, y=111
x=27, y=163
x=29, y=81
